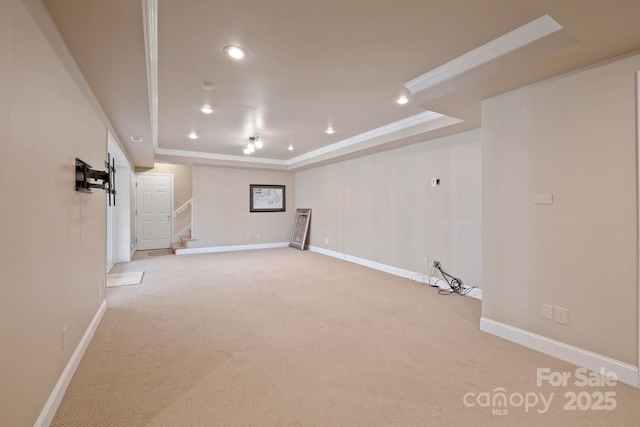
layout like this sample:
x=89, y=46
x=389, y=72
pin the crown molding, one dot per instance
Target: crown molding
x=223, y=157
x=369, y=135
x=150, y=21
x=509, y=42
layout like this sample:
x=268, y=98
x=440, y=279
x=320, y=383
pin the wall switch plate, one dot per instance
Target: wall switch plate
x=425, y=261
x=561, y=315
x=543, y=199
x=326, y=241
x=547, y=311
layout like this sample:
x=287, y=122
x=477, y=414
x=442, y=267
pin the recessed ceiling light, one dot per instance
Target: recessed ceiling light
x=136, y=139
x=206, y=109
x=193, y=135
x=290, y=147
x=208, y=86
x=235, y=52
x=329, y=130
x=402, y=100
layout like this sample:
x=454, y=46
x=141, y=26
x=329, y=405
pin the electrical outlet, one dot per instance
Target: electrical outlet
x=326, y=241
x=425, y=261
x=547, y=311
x=257, y=237
x=561, y=315
x=247, y=237
x=436, y=264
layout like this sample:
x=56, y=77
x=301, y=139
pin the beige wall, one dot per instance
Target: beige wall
x=575, y=137
x=53, y=239
x=382, y=207
x=221, y=214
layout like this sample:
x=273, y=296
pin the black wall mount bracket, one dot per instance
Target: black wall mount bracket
x=88, y=178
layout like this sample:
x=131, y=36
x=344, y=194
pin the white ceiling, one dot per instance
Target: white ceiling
x=319, y=63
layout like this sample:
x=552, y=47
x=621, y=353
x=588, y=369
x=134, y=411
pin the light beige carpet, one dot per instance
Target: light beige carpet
x=282, y=337
x=124, y=279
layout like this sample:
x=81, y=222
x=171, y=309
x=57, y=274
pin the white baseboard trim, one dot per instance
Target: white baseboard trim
x=396, y=271
x=626, y=373
x=52, y=404
x=327, y=252
x=381, y=267
x=209, y=250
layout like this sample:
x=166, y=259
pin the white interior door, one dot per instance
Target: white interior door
x=154, y=200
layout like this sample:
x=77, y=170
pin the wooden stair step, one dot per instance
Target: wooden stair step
x=186, y=240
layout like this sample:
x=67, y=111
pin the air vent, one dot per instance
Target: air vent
x=136, y=139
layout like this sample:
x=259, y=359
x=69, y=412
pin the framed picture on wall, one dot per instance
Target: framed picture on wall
x=300, y=229
x=267, y=198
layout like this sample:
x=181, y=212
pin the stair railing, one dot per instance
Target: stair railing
x=177, y=213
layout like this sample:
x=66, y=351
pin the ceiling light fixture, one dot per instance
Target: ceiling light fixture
x=235, y=52
x=193, y=135
x=253, y=143
x=329, y=130
x=206, y=109
x=402, y=100
x=290, y=147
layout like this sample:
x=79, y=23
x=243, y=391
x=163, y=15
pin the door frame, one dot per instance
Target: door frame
x=111, y=236
x=638, y=212
x=171, y=207
x=122, y=227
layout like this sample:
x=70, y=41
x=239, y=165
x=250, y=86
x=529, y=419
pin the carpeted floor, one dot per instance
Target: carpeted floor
x=282, y=337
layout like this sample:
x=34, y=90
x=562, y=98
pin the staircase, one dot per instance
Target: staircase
x=184, y=243
x=182, y=220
